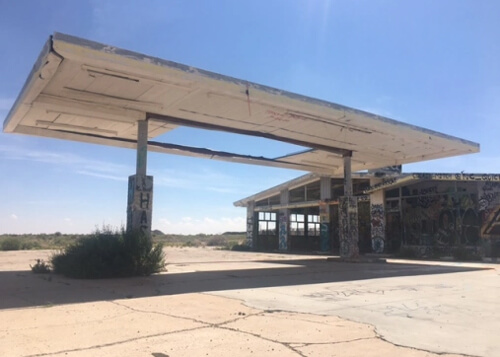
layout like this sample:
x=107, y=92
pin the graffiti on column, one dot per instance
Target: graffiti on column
x=343, y=227
x=324, y=216
x=140, y=204
x=377, y=227
x=283, y=225
x=348, y=227
x=249, y=241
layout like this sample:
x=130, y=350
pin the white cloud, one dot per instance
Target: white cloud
x=98, y=175
x=204, y=179
x=71, y=162
x=13, y=216
x=207, y=225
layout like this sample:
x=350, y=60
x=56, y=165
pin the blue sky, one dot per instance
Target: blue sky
x=434, y=64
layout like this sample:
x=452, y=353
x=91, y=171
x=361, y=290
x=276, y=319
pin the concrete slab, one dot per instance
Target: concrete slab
x=218, y=303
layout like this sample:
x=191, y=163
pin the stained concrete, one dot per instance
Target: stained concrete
x=218, y=303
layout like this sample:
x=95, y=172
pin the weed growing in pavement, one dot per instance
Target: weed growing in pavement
x=109, y=253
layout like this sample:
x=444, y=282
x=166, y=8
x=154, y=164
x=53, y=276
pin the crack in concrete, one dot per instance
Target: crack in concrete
x=220, y=324
x=284, y=344
x=115, y=343
x=382, y=338
x=305, y=344
x=292, y=346
x=209, y=324
x=377, y=334
x=206, y=325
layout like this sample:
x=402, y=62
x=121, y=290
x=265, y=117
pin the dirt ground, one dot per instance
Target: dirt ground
x=222, y=303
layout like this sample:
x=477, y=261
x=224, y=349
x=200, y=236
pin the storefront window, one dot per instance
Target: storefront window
x=267, y=223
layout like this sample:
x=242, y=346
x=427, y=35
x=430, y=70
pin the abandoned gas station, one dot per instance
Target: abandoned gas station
x=428, y=212
x=354, y=197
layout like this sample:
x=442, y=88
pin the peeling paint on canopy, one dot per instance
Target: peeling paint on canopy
x=90, y=92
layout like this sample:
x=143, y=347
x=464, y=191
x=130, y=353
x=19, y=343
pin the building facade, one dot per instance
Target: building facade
x=430, y=213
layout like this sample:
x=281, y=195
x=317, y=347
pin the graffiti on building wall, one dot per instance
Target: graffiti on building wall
x=445, y=218
x=377, y=219
x=489, y=197
x=283, y=228
x=489, y=208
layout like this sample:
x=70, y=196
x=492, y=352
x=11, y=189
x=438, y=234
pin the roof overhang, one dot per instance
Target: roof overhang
x=408, y=178
x=291, y=184
x=90, y=92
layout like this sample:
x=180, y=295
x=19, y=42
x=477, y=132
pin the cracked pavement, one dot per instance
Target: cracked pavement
x=219, y=303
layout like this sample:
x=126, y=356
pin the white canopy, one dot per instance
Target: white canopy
x=86, y=91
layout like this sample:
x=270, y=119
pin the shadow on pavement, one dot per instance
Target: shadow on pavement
x=20, y=289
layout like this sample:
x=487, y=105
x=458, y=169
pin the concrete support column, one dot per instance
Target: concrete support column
x=324, y=213
x=250, y=225
x=142, y=148
x=140, y=187
x=283, y=223
x=377, y=218
x=347, y=176
x=348, y=216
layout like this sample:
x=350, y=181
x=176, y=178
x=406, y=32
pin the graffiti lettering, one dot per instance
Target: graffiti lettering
x=140, y=202
x=249, y=240
x=456, y=177
x=145, y=200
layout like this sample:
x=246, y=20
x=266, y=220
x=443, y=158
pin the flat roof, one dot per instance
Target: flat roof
x=90, y=92
x=388, y=182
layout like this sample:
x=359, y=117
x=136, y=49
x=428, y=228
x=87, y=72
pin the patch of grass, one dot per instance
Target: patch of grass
x=217, y=241
x=109, y=253
x=40, y=267
x=36, y=241
x=60, y=240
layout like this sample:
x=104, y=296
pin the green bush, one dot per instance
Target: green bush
x=217, y=241
x=109, y=254
x=41, y=267
x=10, y=244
